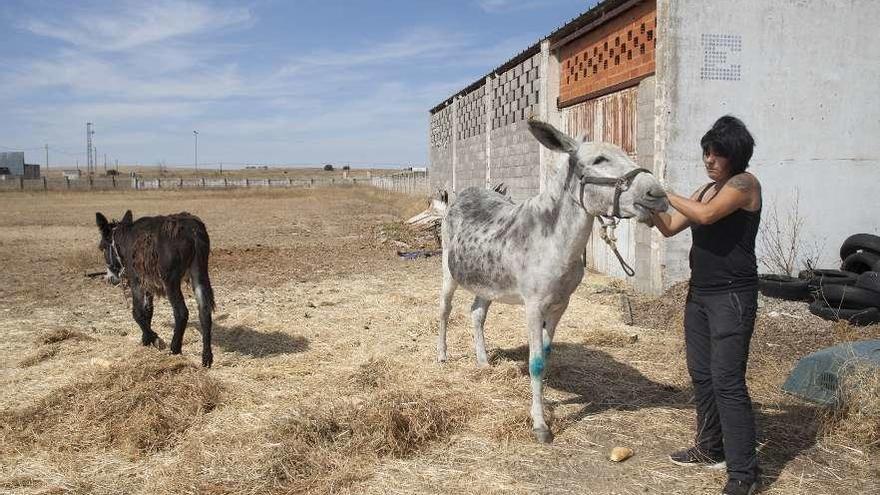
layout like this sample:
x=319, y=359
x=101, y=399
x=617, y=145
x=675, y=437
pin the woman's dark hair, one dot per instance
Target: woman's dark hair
x=730, y=139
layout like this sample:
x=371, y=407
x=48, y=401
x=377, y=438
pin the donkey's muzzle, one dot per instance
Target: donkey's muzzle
x=112, y=278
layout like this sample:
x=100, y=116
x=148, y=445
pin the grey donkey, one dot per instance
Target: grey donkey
x=530, y=253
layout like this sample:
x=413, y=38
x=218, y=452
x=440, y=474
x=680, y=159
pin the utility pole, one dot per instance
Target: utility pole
x=47, y=158
x=89, y=133
x=196, y=134
x=105, y=163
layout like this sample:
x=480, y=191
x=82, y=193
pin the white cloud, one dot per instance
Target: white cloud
x=413, y=46
x=136, y=24
x=147, y=78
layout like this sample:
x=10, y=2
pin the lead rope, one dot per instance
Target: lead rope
x=608, y=232
x=610, y=239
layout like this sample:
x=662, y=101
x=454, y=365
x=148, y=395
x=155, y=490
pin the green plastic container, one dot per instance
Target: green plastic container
x=817, y=377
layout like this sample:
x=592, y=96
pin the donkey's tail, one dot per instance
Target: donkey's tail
x=202, y=248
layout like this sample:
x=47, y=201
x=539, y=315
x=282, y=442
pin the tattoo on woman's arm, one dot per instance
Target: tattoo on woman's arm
x=741, y=182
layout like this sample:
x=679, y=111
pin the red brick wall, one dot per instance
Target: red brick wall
x=615, y=53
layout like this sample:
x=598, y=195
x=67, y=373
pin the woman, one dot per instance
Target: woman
x=722, y=301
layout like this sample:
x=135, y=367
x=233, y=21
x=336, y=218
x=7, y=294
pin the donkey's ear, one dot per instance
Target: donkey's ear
x=101, y=220
x=552, y=137
x=127, y=218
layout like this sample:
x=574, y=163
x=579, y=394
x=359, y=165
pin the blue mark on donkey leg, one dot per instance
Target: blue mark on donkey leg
x=536, y=366
x=547, y=349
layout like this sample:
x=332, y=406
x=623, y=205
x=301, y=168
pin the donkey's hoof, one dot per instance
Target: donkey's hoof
x=160, y=344
x=207, y=360
x=441, y=357
x=543, y=435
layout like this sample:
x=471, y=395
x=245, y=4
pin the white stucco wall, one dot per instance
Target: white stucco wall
x=807, y=88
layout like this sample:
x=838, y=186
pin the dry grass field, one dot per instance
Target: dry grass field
x=324, y=379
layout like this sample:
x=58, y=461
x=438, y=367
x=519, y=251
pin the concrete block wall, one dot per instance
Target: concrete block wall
x=470, y=165
x=777, y=66
x=515, y=160
x=647, y=259
x=489, y=141
x=515, y=156
x=440, y=148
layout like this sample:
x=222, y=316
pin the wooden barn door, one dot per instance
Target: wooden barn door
x=612, y=119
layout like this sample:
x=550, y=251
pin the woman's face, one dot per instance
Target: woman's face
x=717, y=167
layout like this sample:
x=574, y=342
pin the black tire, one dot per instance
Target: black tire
x=865, y=316
x=783, y=287
x=869, y=281
x=821, y=277
x=861, y=262
x=851, y=297
x=859, y=242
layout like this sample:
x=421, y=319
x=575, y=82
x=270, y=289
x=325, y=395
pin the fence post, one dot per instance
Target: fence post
x=45, y=186
x=203, y=182
x=68, y=181
x=91, y=183
x=21, y=182
x=114, y=181
x=311, y=183
x=225, y=183
x=247, y=182
x=180, y=182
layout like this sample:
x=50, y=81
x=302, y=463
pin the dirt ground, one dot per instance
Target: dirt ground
x=325, y=380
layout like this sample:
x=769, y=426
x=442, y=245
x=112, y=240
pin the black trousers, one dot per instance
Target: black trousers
x=718, y=329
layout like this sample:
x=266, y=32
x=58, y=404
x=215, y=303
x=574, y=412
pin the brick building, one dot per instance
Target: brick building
x=651, y=76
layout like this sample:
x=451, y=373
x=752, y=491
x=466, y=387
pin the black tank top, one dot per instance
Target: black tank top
x=723, y=254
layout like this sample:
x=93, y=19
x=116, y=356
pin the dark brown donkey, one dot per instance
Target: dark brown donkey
x=154, y=254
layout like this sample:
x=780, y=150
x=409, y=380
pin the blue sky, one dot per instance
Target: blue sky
x=267, y=81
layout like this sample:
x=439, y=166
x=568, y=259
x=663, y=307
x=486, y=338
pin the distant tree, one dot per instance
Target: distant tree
x=112, y=172
x=346, y=167
x=328, y=168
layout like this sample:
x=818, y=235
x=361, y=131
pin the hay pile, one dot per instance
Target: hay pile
x=138, y=406
x=330, y=439
x=60, y=335
x=48, y=345
x=325, y=448
x=856, y=422
x=665, y=312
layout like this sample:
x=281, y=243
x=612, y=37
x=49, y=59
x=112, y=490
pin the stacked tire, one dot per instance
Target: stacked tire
x=853, y=292
x=784, y=287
